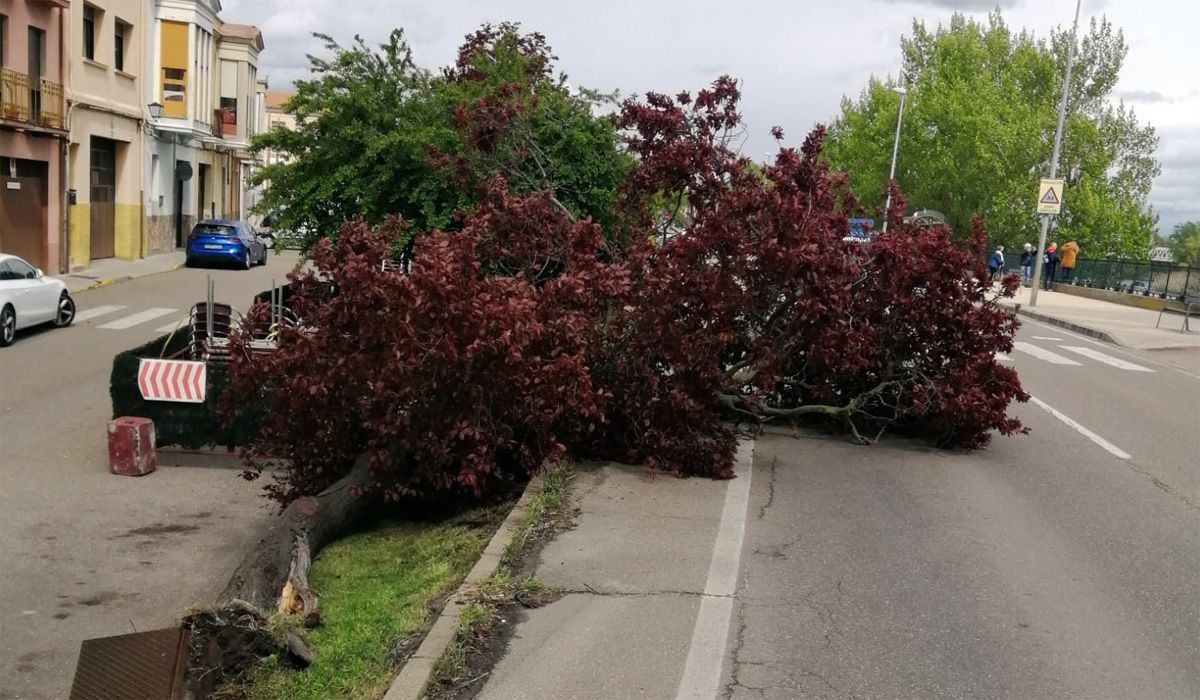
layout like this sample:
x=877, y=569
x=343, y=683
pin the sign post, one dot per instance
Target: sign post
x=1062, y=115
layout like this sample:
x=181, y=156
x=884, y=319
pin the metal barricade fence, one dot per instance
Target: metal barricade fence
x=1159, y=279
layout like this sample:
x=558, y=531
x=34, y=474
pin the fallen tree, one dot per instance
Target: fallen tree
x=528, y=334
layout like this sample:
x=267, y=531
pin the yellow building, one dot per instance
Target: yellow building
x=104, y=118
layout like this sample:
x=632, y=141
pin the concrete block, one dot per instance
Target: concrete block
x=131, y=446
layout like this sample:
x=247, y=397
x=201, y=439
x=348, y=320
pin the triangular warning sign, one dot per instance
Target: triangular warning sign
x=1050, y=197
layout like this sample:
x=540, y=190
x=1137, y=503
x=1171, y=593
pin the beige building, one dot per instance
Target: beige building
x=105, y=117
x=32, y=131
x=202, y=95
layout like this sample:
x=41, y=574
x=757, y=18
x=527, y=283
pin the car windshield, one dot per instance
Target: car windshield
x=214, y=230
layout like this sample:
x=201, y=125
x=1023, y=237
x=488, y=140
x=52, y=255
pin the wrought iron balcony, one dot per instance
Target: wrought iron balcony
x=37, y=104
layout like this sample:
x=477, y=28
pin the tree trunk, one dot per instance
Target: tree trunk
x=281, y=558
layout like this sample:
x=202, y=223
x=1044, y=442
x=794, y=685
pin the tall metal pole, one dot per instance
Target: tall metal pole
x=895, y=150
x=1062, y=115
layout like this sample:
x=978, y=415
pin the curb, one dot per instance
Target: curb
x=1069, y=325
x=417, y=671
x=108, y=281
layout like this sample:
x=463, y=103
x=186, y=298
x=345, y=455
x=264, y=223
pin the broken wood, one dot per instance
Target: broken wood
x=297, y=597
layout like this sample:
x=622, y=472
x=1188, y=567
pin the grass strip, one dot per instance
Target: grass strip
x=375, y=588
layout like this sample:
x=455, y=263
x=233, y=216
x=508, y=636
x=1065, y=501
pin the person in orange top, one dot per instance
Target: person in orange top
x=1067, y=255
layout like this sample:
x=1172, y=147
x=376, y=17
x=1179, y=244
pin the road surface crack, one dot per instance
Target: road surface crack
x=762, y=511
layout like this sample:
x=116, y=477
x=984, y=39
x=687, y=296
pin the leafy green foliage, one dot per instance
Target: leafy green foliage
x=1185, y=243
x=377, y=136
x=978, y=130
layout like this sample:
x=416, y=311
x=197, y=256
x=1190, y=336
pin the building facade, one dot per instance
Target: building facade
x=33, y=132
x=105, y=117
x=202, y=89
x=122, y=122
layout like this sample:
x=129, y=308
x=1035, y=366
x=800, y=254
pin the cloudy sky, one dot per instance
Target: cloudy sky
x=796, y=58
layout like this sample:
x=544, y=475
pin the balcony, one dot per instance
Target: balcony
x=38, y=105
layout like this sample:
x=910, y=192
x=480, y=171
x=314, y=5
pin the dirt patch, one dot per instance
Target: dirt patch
x=104, y=597
x=158, y=529
x=227, y=643
x=483, y=649
x=61, y=615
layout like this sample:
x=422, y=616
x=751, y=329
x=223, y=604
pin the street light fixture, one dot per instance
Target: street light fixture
x=156, y=110
x=895, y=150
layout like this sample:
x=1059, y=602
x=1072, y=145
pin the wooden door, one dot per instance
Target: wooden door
x=24, y=213
x=103, y=197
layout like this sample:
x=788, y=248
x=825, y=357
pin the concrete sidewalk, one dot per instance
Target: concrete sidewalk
x=1114, y=323
x=113, y=270
x=638, y=572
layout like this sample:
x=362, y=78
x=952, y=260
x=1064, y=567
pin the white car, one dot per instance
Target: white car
x=29, y=298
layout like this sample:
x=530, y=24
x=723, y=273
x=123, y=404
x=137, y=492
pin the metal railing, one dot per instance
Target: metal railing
x=42, y=105
x=1144, y=278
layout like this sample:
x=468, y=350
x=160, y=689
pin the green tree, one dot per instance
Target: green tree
x=378, y=135
x=978, y=129
x=1185, y=243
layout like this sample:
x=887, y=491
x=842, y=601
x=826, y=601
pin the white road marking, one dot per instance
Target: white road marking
x=1001, y=357
x=1106, y=359
x=1043, y=354
x=1045, y=337
x=702, y=671
x=1113, y=449
x=134, y=319
x=91, y=313
x=181, y=323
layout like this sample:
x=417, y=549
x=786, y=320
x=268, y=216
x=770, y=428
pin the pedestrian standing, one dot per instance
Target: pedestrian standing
x=1049, y=263
x=1067, y=257
x=996, y=263
x=1027, y=264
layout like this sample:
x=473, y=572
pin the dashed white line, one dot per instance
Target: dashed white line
x=134, y=319
x=702, y=671
x=1111, y=448
x=95, y=311
x=1106, y=359
x=1043, y=354
x=1045, y=337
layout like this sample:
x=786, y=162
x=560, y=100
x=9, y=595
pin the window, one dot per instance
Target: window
x=121, y=34
x=89, y=32
x=174, y=85
x=3, y=38
x=19, y=270
x=229, y=116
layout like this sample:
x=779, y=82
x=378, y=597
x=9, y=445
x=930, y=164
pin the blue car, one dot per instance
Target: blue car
x=221, y=240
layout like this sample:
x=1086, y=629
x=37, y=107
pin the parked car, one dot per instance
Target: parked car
x=1134, y=286
x=29, y=298
x=222, y=240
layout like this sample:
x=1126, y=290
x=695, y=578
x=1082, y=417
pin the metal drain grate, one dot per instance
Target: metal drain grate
x=141, y=666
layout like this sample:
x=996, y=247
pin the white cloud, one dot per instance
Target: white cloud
x=795, y=59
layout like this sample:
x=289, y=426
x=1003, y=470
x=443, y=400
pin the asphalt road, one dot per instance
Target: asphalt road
x=1064, y=563
x=84, y=553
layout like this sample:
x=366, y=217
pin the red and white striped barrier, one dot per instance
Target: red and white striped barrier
x=172, y=380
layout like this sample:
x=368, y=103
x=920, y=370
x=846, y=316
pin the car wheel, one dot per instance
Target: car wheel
x=66, y=311
x=8, y=326
x=246, y=260
x=188, y=262
x=263, y=259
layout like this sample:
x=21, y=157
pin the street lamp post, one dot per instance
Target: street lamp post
x=895, y=150
x=1062, y=115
